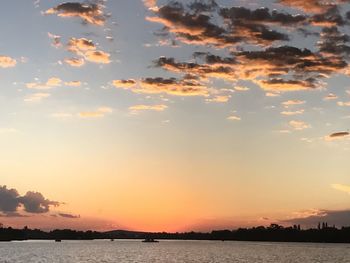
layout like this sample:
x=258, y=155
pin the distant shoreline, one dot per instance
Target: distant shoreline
x=273, y=233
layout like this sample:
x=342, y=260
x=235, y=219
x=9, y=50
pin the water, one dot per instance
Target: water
x=133, y=251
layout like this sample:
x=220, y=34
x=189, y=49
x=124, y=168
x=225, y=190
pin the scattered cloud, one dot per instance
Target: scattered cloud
x=7, y=62
x=331, y=96
x=56, y=40
x=37, y=97
x=171, y=86
x=219, y=98
x=139, y=108
x=337, y=136
x=97, y=56
x=75, y=62
x=99, y=113
x=343, y=104
x=233, y=118
x=125, y=83
x=74, y=83
x=241, y=88
x=292, y=113
x=299, y=125
x=87, y=50
x=50, y=83
x=289, y=103
x=91, y=13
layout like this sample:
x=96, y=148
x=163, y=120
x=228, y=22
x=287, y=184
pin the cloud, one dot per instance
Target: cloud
x=37, y=97
x=150, y=4
x=289, y=103
x=8, y=199
x=56, y=40
x=292, y=113
x=241, y=88
x=233, y=118
x=80, y=45
x=99, y=113
x=91, y=13
x=50, y=83
x=194, y=23
x=253, y=26
x=192, y=28
x=70, y=216
x=215, y=67
x=35, y=202
x=332, y=217
x=97, y=56
x=75, y=62
x=299, y=125
x=337, y=136
x=87, y=50
x=344, y=104
x=138, y=108
x=219, y=98
x=124, y=83
x=314, y=6
x=269, y=60
x=171, y=86
x=32, y=202
x=341, y=187
x=272, y=94
x=75, y=83
x=330, y=96
x=7, y=62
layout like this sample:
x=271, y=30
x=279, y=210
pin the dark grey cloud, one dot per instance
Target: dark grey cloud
x=8, y=200
x=333, y=42
x=332, y=17
x=257, y=42
x=339, y=134
x=35, y=202
x=255, y=24
x=32, y=202
x=91, y=13
x=192, y=25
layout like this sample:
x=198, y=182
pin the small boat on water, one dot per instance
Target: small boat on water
x=58, y=240
x=150, y=240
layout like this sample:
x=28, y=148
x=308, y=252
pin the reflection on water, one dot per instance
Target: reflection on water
x=124, y=251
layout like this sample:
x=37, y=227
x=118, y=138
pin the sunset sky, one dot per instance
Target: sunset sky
x=174, y=115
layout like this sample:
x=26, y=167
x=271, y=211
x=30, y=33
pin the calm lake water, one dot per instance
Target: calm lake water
x=171, y=251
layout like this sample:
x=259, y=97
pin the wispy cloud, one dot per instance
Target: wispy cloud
x=299, y=125
x=49, y=84
x=98, y=113
x=139, y=108
x=341, y=187
x=37, y=97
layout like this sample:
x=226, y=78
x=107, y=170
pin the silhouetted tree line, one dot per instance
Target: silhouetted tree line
x=273, y=233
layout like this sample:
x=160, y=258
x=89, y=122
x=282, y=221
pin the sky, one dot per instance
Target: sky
x=174, y=115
